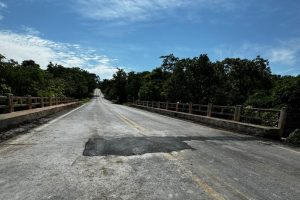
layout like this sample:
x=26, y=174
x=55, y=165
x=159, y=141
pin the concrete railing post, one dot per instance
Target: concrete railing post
x=29, y=102
x=10, y=103
x=191, y=108
x=177, y=106
x=237, y=113
x=209, y=109
x=42, y=102
x=282, y=120
x=167, y=105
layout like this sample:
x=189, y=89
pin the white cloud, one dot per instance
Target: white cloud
x=284, y=56
x=25, y=46
x=124, y=11
x=30, y=30
x=105, y=71
x=2, y=6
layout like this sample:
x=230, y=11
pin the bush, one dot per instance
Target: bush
x=294, y=138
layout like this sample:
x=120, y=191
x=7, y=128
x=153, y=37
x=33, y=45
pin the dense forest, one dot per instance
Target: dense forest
x=28, y=78
x=233, y=81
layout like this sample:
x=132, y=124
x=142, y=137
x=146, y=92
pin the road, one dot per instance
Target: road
x=107, y=151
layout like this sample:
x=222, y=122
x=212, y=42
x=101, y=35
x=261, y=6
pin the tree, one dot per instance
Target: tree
x=28, y=78
x=152, y=87
x=246, y=76
x=176, y=86
x=120, y=85
x=133, y=84
x=169, y=62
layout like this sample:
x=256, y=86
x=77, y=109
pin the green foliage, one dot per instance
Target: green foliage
x=133, y=85
x=119, y=85
x=233, y=81
x=152, y=87
x=294, y=138
x=28, y=78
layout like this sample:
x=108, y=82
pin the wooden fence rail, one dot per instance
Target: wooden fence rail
x=12, y=103
x=258, y=116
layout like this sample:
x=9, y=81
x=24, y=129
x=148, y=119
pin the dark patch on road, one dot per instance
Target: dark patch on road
x=128, y=146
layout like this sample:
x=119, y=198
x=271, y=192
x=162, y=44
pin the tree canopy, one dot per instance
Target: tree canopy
x=28, y=78
x=232, y=81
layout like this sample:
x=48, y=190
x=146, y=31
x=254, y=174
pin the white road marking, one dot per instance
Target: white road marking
x=55, y=120
x=290, y=150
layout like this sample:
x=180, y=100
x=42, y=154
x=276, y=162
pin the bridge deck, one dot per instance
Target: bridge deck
x=107, y=151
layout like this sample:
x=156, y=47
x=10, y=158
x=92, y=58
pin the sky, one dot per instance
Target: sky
x=100, y=35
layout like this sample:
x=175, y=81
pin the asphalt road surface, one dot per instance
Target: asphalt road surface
x=107, y=151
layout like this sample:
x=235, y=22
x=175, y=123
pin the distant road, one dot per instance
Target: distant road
x=107, y=151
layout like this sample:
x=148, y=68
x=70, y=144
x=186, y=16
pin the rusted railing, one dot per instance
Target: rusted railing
x=258, y=116
x=12, y=103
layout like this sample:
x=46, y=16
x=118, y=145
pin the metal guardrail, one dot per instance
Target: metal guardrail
x=12, y=103
x=258, y=116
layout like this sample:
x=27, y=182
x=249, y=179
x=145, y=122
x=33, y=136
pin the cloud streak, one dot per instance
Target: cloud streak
x=24, y=46
x=284, y=54
x=128, y=11
x=2, y=7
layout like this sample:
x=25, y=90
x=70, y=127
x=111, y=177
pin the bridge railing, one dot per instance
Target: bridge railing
x=12, y=103
x=257, y=116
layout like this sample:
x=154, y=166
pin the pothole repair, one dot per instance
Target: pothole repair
x=128, y=146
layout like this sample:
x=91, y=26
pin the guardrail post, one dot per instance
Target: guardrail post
x=29, y=102
x=167, y=105
x=237, y=113
x=50, y=101
x=152, y=104
x=282, y=120
x=10, y=103
x=158, y=104
x=191, y=108
x=209, y=109
x=42, y=102
x=177, y=105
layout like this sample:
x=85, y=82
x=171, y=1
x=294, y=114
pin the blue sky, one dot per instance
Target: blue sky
x=99, y=35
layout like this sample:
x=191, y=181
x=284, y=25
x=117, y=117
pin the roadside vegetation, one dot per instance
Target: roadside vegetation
x=233, y=81
x=28, y=78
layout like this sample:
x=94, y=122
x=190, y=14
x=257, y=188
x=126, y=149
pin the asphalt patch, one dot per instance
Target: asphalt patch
x=128, y=146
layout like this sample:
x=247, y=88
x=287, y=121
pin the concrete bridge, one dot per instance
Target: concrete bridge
x=106, y=151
